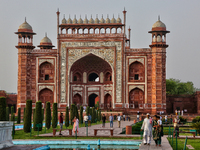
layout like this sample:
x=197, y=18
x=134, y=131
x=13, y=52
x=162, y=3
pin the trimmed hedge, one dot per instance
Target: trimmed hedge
x=81, y=115
x=13, y=119
x=24, y=113
x=48, y=115
x=33, y=114
x=19, y=116
x=99, y=115
x=42, y=114
x=2, y=109
x=76, y=112
x=55, y=116
x=87, y=110
x=72, y=113
x=196, y=119
x=93, y=115
x=67, y=117
x=38, y=116
x=27, y=116
x=7, y=114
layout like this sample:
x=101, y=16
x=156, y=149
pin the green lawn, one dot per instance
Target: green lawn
x=193, y=142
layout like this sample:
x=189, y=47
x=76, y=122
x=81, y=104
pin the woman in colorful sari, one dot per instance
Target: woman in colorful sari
x=76, y=124
x=156, y=131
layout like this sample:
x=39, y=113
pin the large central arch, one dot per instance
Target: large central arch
x=89, y=75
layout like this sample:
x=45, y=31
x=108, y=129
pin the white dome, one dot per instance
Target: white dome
x=69, y=21
x=96, y=20
x=45, y=40
x=80, y=21
x=25, y=25
x=91, y=20
x=113, y=20
x=107, y=20
x=159, y=24
x=102, y=20
x=75, y=20
x=119, y=20
x=85, y=20
x=64, y=21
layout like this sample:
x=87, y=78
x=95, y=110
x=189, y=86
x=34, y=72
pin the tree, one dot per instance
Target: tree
x=67, y=117
x=27, y=117
x=13, y=119
x=42, y=114
x=76, y=111
x=48, y=115
x=12, y=110
x=2, y=109
x=99, y=115
x=33, y=114
x=97, y=105
x=87, y=110
x=7, y=114
x=19, y=116
x=38, y=116
x=72, y=113
x=24, y=113
x=81, y=115
x=55, y=116
x=93, y=115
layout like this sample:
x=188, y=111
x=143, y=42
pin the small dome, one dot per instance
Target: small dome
x=119, y=20
x=85, y=20
x=91, y=20
x=102, y=20
x=64, y=21
x=96, y=20
x=107, y=20
x=45, y=40
x=25, y=25
x=75, y=20
x=159, y=24
x=113, y=20
x=69, y=21
x=80, y=21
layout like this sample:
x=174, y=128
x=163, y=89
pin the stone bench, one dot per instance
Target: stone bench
x=100, y=129
x=194, y=133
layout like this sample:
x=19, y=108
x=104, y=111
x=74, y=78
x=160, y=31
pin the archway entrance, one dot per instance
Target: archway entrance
x=107, y=101
x=136, y=98
x=91, y=100
x=77, y=100
x=46, y=95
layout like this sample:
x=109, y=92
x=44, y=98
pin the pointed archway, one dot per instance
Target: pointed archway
x=136, y=98
x=107, y=101
x=77, y=100
x=91, y=100
x=46, y=95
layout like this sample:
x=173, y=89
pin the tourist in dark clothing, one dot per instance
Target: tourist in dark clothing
x=61, y=122
x=104, y=120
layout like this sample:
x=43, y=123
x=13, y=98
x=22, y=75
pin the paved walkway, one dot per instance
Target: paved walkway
x=82, y=130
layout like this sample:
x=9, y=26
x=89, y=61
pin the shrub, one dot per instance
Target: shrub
x=38, y=116
x=24, y=113
x=76, y=111
x=196, y=119
x=48, y=115
x=183, y=120
x=67, y=117
x=19, y=116
x=72, y=113
x=13, y=119
x=99, y=115
x=136, y=128
x=12, y=110
x=55, y=116
x=93, y=115
x=90, y=111
x=196, y=126
x=87, y=110
x=33, y=114
x=42, y=114
x=7, y=114
x=2, y=109
x=81, y=115
x=27, y=117
x=96, y=112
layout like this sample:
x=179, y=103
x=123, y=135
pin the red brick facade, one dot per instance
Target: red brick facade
x=93, y=61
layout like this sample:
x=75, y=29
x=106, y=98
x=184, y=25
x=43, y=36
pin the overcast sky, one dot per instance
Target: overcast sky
x=181, y=18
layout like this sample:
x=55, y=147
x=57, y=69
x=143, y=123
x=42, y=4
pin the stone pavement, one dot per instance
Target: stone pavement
x=23, y=147
x=82, y=130
x=164, y=145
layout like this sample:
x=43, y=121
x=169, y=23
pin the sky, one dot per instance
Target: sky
x=181, y=18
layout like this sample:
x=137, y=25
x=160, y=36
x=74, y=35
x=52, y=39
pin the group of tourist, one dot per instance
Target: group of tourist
x=154, y=124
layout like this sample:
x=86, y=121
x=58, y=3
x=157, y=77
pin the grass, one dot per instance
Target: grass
x=20, y=134
x=166, y=130
x=181, y=142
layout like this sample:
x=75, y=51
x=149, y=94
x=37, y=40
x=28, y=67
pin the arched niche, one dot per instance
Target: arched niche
x=77, y=100
x=46, y=72
x=77, y=77
x=136, y=98
x=136, y=72
x=46, y=95
x=107, y=101
x=108, y=77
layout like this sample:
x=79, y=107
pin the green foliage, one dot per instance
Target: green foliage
x=99, y=116
x=13, y=119
x=136, y=128
x=196, y=126
x=19, y=116
x=12, y=110
x=72, y=113
x=87, y=110
x=183, y=120
x=196, y=119
x=24, y=113
x=176, y=87
x=81, y=114
x=42, y=114
x=55, y=116
x=7, y=114
x=2, y=109
x=76, y=112
x=38, y=116
x=27, y=116
x=48, y=115
x=90, y=111
x=97, y=105
x=67, y=117
x=33, y=114
x=93, y=115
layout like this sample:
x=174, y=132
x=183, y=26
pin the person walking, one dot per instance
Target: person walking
x=124, y=117
x=111, y=121
x=103, y=120
x=86, y=120
x=165, y=118
x=156, y=131
x=76, y=124
x=138, y=117
x=181, y=112
x=147, y=127
x=119, y=120
x=89, y=120
x=61, y=122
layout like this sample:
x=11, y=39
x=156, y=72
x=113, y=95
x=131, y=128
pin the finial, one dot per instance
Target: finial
x=113, y=15
x=75, y=16
x=64, y=16
x=91, y=16
x=80, y=16
x=124, y=9
x=25, y=19
x=69, y=15
x=107, y=16
x=45, y=34
x=85, y=16
x=158, y=17
x=58, y=10
x=102, y=15
x=118, y=16
x=96, y=15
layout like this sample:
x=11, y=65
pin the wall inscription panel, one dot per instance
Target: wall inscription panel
x=104, y=50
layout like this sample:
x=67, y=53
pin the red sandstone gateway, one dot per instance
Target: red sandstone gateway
x=93, y=62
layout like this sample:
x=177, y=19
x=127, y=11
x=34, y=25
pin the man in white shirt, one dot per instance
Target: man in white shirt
x=147, y=127
x=119, y=120
x=165, y=118
x=85, y=119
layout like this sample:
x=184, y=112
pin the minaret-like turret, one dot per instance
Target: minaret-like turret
x=158, y=47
